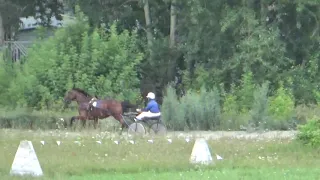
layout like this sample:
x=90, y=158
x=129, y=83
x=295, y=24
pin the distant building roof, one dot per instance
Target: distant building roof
x=32, y=23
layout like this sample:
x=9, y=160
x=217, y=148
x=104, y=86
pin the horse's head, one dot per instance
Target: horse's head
x=77, y=95
x=70, y=96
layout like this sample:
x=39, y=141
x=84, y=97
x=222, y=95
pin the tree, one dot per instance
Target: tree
x=12, y=10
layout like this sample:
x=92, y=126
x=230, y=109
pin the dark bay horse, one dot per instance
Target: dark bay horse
x=107, y=107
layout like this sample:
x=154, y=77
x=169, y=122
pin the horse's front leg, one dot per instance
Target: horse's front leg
x=73, y=118
x=95, y=122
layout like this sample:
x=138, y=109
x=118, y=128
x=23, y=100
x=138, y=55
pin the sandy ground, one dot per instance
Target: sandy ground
x=213, y=135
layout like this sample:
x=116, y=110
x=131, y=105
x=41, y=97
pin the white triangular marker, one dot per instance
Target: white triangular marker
x=150, y=141
x=99, y=142
x=200, y=152
x=58, y=142
x=170, y=140
x=117, y=142
x=42, y=142
x=25, y=161
x=219, y=157
x=187, y=140
x=132, y=142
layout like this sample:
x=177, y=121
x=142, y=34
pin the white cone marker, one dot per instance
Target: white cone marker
x=219, y=157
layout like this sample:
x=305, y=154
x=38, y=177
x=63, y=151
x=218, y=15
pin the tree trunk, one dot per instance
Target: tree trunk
x=1, y=31
x=173, y=18
x=263, y=17
x=148, y=24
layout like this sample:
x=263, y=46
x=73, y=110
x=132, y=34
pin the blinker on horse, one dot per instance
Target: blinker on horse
x=106, y=108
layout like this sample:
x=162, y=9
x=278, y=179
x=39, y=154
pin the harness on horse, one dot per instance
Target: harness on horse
x=94, y=102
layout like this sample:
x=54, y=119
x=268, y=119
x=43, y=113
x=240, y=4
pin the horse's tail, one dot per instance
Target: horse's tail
x=127, y=105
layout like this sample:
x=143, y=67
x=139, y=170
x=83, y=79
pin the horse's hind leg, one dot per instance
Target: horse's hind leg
x=83, y=123
x=123, y=124
x=78, y=118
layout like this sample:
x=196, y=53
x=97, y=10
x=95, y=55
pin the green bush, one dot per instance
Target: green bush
x=232, y=118
x=245, y=92
x=281, y=109
x=202, y=109
x=195, y=110
x=172, y=113
x=309, y=133
x=259, y=109
x=210, y=100
x=306, y=112
x=7, y=75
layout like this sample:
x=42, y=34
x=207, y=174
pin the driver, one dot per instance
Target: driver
x=152, y=109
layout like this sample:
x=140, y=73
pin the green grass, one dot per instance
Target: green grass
x=230, y=174
x=243, y=159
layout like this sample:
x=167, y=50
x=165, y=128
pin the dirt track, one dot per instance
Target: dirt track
x=205, y=134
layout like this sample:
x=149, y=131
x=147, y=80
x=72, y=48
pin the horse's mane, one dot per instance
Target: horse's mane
x=81, y=91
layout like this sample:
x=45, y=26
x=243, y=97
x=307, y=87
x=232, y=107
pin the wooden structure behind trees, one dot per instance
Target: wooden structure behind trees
x=15, y=50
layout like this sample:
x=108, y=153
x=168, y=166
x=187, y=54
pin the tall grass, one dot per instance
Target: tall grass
x=22, y=118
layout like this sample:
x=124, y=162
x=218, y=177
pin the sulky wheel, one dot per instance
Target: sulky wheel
x=136, y=129
x=158, y=129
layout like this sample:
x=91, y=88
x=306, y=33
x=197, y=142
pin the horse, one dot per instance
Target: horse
x=114, y=107
x=107, y=107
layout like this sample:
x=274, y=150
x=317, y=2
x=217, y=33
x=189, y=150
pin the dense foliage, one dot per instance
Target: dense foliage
x=310, y=133
x=229, y=64
x=102, y=63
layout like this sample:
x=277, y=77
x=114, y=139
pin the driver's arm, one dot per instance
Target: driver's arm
x=149, y=105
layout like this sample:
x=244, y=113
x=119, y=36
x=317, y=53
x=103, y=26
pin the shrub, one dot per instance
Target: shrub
x=306, y=112
x=245, y=92
x=309, y=133
x=259, y=110
x=210, y=101
x=281, y=109
x=201, y=109
x=191, y=108
x=232, y=118
x=7, y=74
x=196, y=110
x=172, y=112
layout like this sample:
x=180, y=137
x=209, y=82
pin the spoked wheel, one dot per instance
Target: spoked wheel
x=136, y=128
x=158, y=129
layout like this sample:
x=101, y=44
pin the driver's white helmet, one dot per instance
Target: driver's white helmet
x=151, y=95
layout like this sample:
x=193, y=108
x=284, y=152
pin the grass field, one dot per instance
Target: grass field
x=242, y=159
